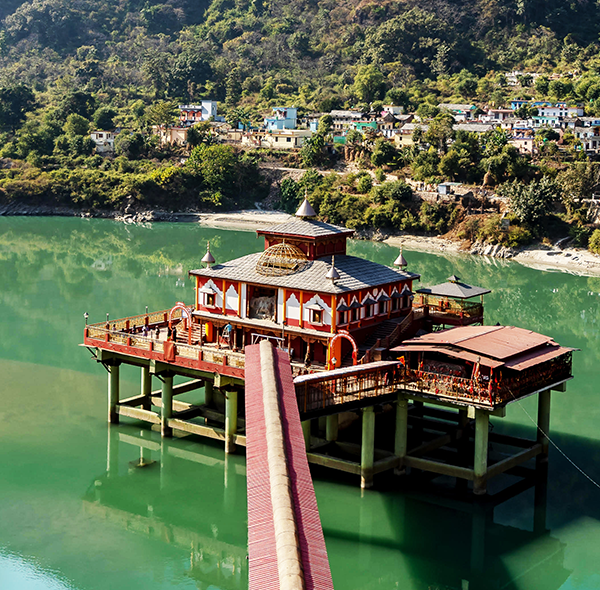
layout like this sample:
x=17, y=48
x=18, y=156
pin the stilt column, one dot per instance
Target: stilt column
x=482, y=421
x=331, y=428
x=401, y=439
x=543, y=424
x=367, y=450
x=208, y=392
x=231, y=407
x=113, y=393
x=146, y=388
x=167, y=405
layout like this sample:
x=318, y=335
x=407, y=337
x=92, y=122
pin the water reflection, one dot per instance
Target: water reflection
x=154, y=495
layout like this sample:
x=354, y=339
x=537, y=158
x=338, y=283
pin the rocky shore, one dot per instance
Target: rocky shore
x=548, y=258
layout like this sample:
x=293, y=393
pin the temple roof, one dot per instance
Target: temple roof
x=454, y=289
x=305, y=227
x=354, y=274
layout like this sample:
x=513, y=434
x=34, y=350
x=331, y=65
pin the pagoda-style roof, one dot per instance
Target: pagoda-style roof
x=306, y=228
x=354, y=274
x=454, y=289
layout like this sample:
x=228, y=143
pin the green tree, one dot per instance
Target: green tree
x=531, y=202
x=312, y=150
x=325, y=125
x=201, y=133
x=162, y=113
x=368, y=83
x=384, y=153
x=440, y=131
x=131, y=145
x=15, y=102
x=76, y=125
x=104, y=118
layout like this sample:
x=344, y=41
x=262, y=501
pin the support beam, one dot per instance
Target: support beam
x=331, y=427
x=367, y=451
x=146, y=388
x=306, y=433
x=167, y=406
x=208, y=392
x=231, y=408
x=543, y=424
x=113, y=392
x=401, y=436
x=482, y=422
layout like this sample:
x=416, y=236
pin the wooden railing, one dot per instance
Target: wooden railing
x=456, y=307
x=389, y=340
x=155, y=318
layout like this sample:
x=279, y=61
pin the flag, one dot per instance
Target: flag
x=401, y=359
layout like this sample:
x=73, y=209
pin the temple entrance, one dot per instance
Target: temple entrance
x=262, y=303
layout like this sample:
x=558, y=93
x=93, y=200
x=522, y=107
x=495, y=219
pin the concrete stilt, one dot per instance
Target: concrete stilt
x=482, y=421
x=401, y=437
x=167, y=405
x=543, y=424
x=331, y=430
x=367, y=449
x=113, y=393
x=231, y=418
x=208, y=392
x=146, y=388
x=306, y=432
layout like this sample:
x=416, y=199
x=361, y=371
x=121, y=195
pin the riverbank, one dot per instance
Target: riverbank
x=571, y=260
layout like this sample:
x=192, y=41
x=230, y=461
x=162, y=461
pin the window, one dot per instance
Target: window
x=368, y=311
x=288, y=139
x=395, y=303
x=316, y=316
x=354, y=315
x=343, y=317
x=100, y=135
x=210, y=300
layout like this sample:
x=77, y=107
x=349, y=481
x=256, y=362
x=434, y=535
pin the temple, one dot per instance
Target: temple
x=302, y=290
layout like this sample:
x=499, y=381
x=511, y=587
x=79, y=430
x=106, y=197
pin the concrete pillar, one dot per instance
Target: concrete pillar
x=306, y=432
x=331, y=428
x=417, y=430
x=322, y=425
x=146, y=388
x=543, y=424
x=367, y=449
x=208, y=392
x=112, y=452
x=113, y=393
x=231, y=408
x=540, y=498
x=401, y=436
x=482, y=421
x=167, y=405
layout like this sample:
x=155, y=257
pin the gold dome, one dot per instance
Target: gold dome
x=281, y=259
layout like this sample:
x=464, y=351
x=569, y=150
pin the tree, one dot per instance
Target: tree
x=541, y=85
x=531, y=202
x=383, y=152
x=162, y=113
x=15, y=102
x=103, y=118
x=311, y=151
x=325, y=125
x=199, y=134
x=440, y=131
x=76, y=125
x=130, y=145
x=368, y=83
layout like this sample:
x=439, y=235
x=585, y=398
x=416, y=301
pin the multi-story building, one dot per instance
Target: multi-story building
x=194, y=113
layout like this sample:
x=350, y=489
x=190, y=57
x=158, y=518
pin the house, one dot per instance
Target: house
x=589, y=121
x=194, y=113
x=345, y=119
x=404, y=136
x=392, y=109
x=460, y=112
x=496, y=115
x=524, y=141
x=282, y=118
x=474, y=127
x=284, y=139
x=104, y=140
x=589, y=137
x=170, y=135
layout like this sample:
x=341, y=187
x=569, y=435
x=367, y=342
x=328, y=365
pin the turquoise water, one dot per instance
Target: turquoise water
x=75, y=516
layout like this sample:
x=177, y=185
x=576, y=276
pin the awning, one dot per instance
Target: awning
x=383, y=297
x=355, y=305
x=343, y=307
x=208, y=290
x=314, y=307
x=369, y=301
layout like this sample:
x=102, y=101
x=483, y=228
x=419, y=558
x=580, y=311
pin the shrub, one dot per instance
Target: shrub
x=365, y=184
x=594, y=243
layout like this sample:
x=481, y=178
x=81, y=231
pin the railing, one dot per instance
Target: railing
x=138, y=321
x=389, y=340
x=449, y=306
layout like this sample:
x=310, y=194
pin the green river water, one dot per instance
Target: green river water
x=180, y=523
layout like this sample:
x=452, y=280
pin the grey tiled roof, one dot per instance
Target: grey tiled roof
x=310, y=228
x=355, y=273
x=456, y=290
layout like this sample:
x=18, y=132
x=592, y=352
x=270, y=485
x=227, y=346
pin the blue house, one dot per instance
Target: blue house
x=283, y=118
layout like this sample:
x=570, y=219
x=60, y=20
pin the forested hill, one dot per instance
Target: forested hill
x=303, y=51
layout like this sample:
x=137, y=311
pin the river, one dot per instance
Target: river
x=75, y=516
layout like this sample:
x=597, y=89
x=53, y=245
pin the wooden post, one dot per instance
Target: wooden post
x=482, y=421
x=231, y=407
x=543, y=424
x=401, y=438
x=306, y=433
x=146, y=388
x=167, y=405
x=208, y=392
x=331, y=427
x=367, y=449
x=113, y=392
x=301, y=309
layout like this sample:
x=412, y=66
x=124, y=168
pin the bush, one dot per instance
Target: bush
x=380, y=175
x=365, y=184
x=594, y=243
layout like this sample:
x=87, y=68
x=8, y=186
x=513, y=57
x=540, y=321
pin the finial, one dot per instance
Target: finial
x=208, y=257
x=306, y=209
x=453, y=279
x=400, y=261
x=333, y=274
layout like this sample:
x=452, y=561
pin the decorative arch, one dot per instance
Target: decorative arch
x=343, y=334
x=186, y=313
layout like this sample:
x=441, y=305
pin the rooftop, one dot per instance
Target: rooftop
x=454, y=289
x=308, y=228
x=354, y=274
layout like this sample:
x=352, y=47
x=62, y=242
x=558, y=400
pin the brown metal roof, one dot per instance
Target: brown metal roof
x=453, y=352
x=524, y=361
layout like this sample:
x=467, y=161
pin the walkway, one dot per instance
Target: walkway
x=285, y=538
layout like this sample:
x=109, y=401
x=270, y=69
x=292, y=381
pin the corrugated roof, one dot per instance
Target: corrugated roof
x=525, y=361
x=454, y=289
x=449, y=351
x=355, y=273
x=309, y=228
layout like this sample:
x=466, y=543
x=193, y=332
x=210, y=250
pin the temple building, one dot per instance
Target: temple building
x=303, y=290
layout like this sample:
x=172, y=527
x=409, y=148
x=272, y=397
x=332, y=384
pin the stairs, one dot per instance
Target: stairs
x=198, y=333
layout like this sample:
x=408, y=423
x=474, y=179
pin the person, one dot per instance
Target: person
x=169, y=332
x=145, y=331
x=157, y=332
x=174, y=334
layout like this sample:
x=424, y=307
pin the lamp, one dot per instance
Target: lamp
x=86, y=315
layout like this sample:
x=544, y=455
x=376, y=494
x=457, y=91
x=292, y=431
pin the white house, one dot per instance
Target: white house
x=282, y=118
x=104, y=140
x=194, y=113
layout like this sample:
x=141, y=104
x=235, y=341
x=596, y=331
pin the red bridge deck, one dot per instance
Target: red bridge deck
x=261, y=532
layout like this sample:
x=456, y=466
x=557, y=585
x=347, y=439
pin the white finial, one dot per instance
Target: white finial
x=400, y=261
x=208, y=257
x=306, y=209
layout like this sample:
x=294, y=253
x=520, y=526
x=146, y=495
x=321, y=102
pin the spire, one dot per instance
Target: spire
x=453, y=279
x=208, y=257
x=306, y=209
x=400, y=262
x=333, y=274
